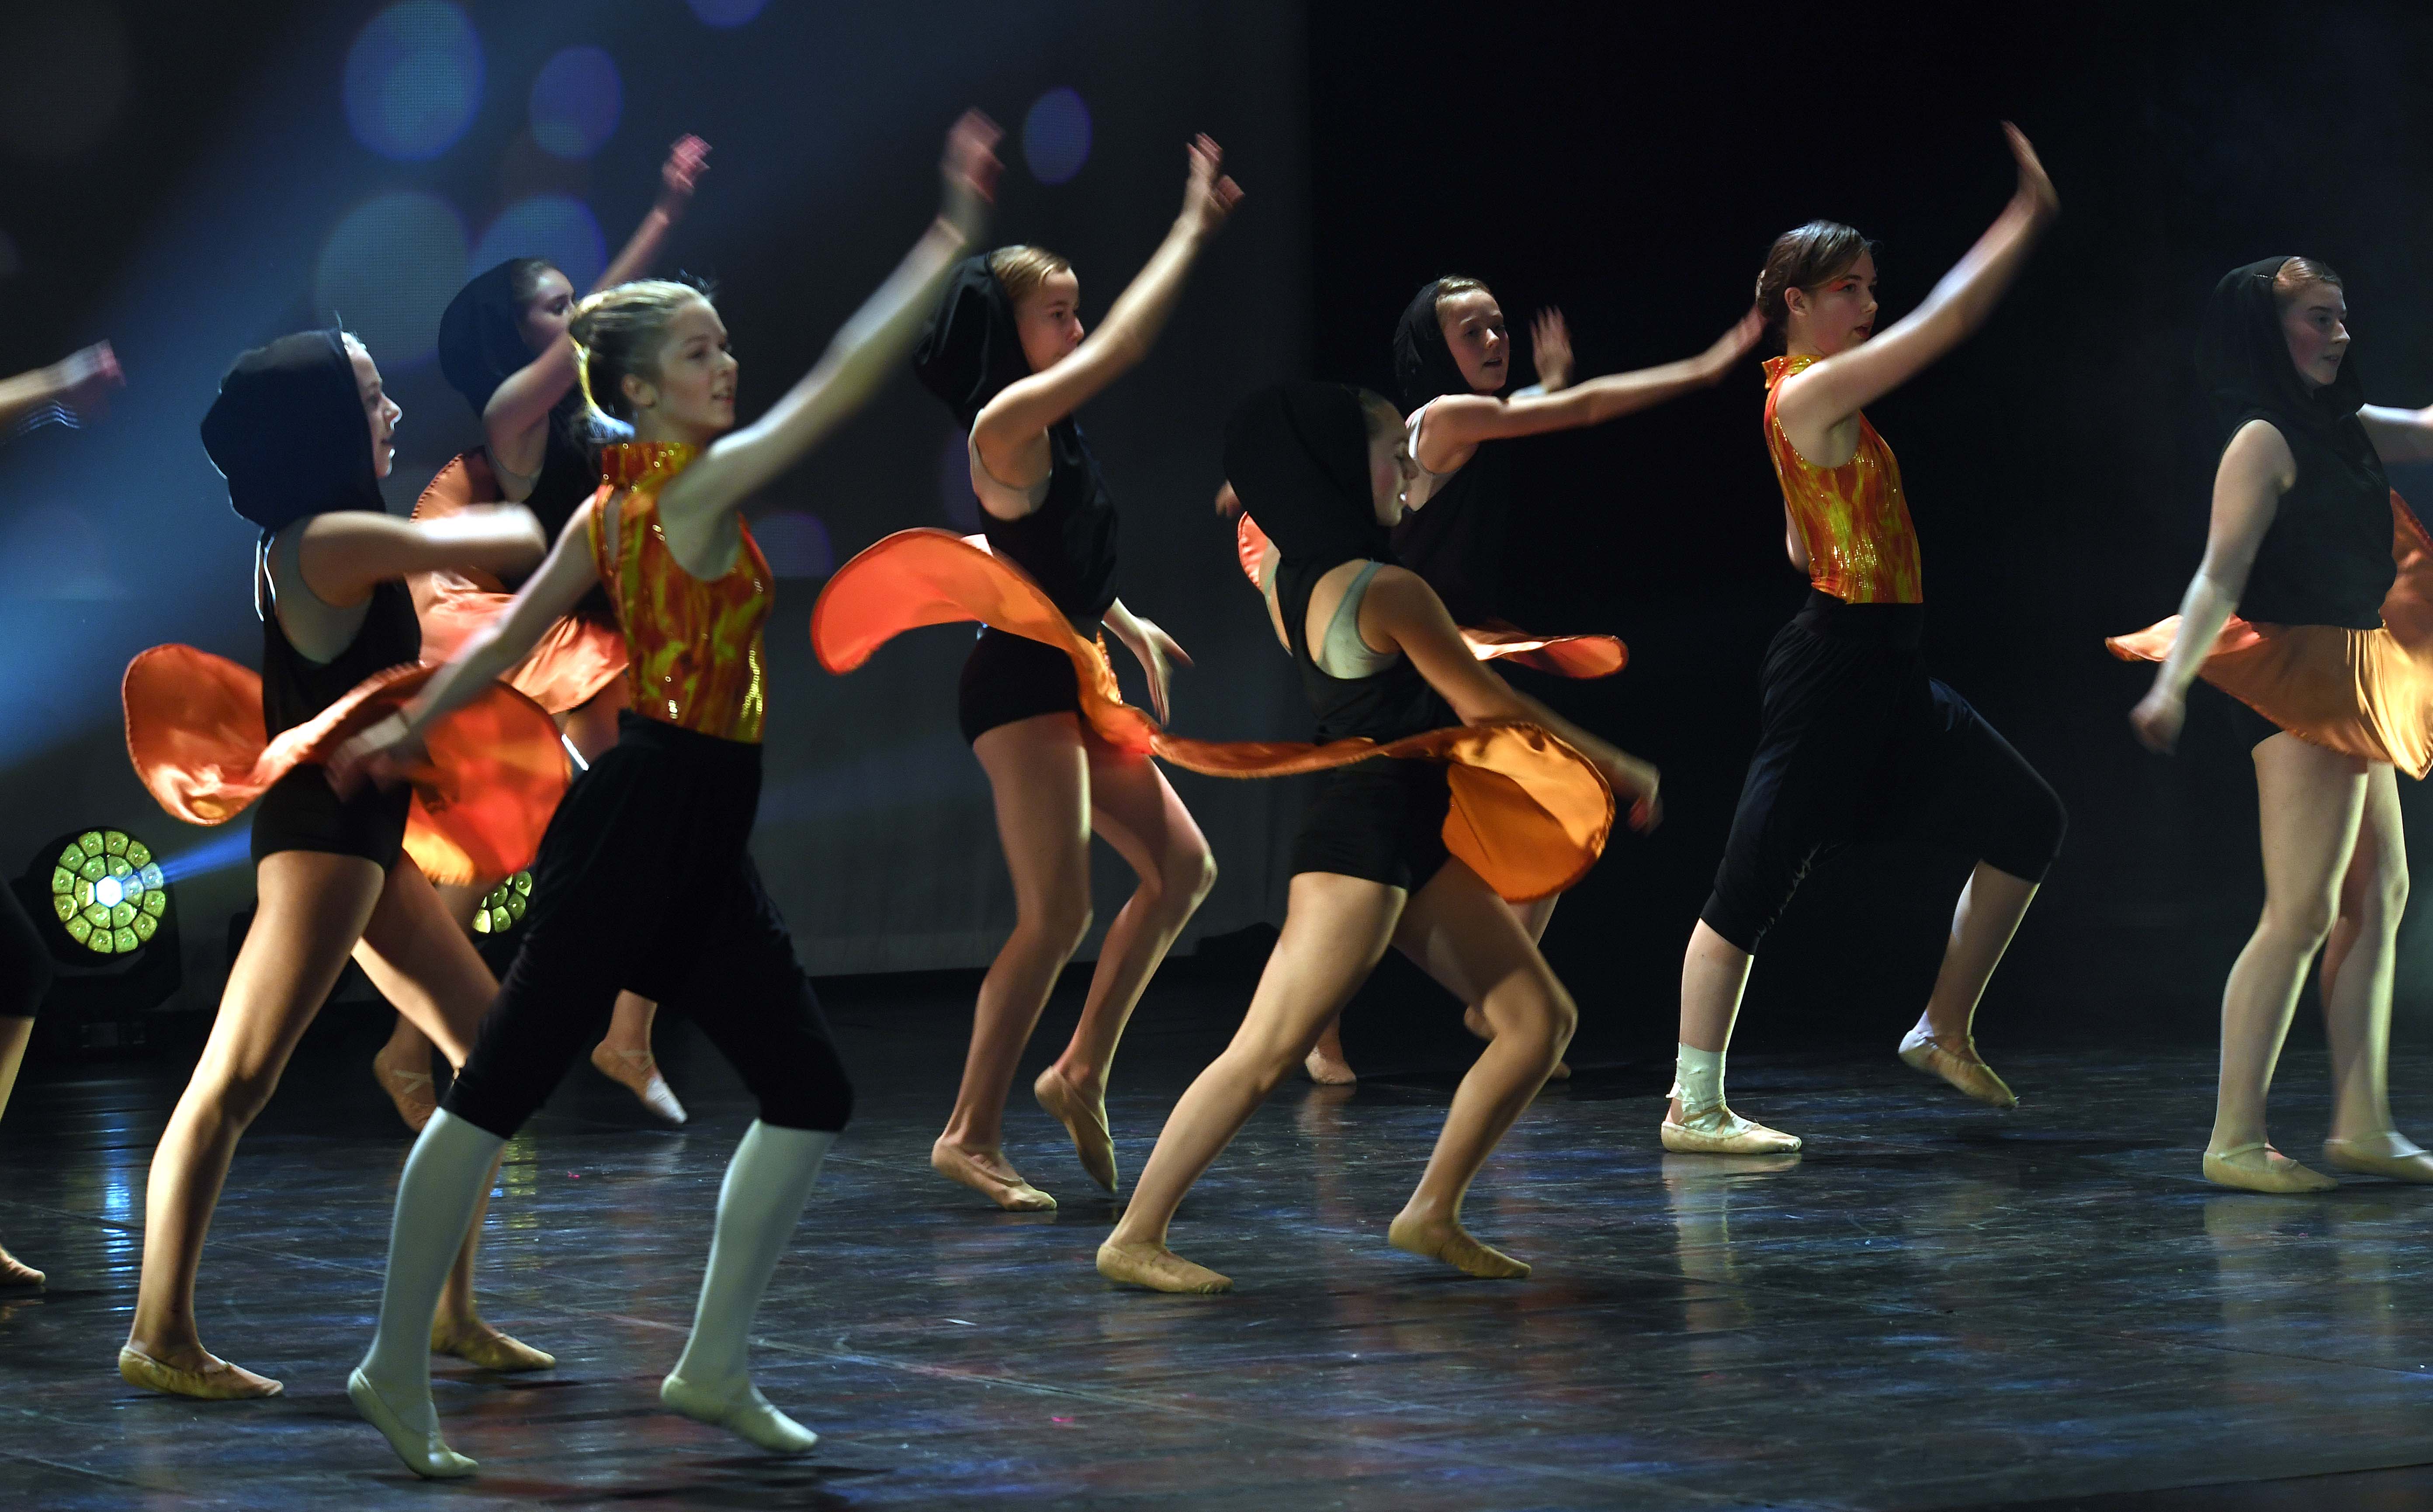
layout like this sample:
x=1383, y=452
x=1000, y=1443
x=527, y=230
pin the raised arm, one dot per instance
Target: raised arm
x=872, y=343
x=1841, y=385
x=1459, y=422
x=343, y=553
x=1029, y=407
x=2256, y=470
x=2399, y=436
x=678, y=176
x=75, y=381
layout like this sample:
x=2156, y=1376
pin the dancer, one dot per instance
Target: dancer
x=502, y=345
x=76, y=385
x=1322, y=467
x=1006, y=352
x=1453, y=359
x=645, y=876
x=2314, y=607
x=301, y=430
x=1857, y=741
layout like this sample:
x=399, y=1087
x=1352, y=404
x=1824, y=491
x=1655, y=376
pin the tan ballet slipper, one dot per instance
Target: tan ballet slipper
x=1158, y=1268
x=477, y=1343
x=1718, y=1130
x=2259, y=1167
x=1002, y=1185
x=411, y=1089
x=2389, y=1154
x=218, y=1381
x=1921, y=1051
x=1451, y=1242
x=1328, y=1070
x=637, y=1072
x=1085, y=1119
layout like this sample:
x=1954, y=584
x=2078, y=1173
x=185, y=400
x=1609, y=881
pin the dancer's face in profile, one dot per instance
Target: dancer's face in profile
x=1474, y=328
x=2316, y=326
x=1390, y=471
x=692, y=395
x=1049, y=319
x=379, y=411
x=1835, y=316
x=544, y=316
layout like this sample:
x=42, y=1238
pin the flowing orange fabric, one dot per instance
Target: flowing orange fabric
x=695, y=645
x=1852, y=519
x=1530, y=815
x=575, y=658
x=2366, y=693
x=495, y=773
x=1577, y=656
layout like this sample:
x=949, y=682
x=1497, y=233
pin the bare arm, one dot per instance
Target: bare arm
x=2256, y=470
x=1836, y=388
x=1025, y=410
x=345, y=552
x=2399, y=436
x=1152, y=647
x=1459, y=422
x=75, y=381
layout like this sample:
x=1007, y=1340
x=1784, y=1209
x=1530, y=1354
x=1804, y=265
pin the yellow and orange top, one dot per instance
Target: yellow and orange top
x=1851, y=518
x=696, y=661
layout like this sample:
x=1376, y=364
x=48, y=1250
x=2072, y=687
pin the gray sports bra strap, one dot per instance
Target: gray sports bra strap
x=1343, y=654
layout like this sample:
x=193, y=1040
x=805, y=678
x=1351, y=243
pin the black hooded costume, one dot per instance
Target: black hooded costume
x=1456, y=539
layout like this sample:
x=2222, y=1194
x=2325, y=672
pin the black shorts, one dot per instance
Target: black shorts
x=1381, y=821
x=302, y=812
x=1013, y=677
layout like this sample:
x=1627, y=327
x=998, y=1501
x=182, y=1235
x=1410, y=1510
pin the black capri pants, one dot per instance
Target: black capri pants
x=1858, y=744
x=645, y=881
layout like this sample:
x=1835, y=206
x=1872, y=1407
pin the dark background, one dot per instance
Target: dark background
x=1627, y=163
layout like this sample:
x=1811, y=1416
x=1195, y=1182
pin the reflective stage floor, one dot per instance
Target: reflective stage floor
x=1939, y=1306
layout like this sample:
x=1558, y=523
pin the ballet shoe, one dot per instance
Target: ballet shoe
x=1453, y=1244
x=637, y=1072
x=423, y=1453
x=412, y=1091
x=2389, y=1153
x=216, y=1382
x=1718, y=1130
x=1474, y=1021
x=743, y=1411
x=1003, y=1186
x=1085, y=1119
x=1921, y=1051
x=1160, y=1269
x=1328, y=1070
x=15, y=1272
x=2269, y=1171
x=478, y=1343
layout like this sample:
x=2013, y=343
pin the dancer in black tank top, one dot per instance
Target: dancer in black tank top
x=1006, y=352
x=301, y=432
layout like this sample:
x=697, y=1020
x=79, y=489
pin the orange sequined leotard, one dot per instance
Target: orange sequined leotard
x=695, y=645
x=1851, y=518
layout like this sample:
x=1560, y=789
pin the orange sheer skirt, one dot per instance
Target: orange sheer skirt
x=1530, y=815
x=2366, y=693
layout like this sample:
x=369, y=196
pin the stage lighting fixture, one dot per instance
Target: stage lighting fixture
x=502, y=908
x=112, y=933
x=107, y=893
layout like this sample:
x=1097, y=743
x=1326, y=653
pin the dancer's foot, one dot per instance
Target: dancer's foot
x=2259, y=1167
x=2389, y=1153
x=1474, y=1021
x=637, y=1072
x=1085, y=1117
x=204, y=1375
x=1447, y=1240
x=408, y=1084
x=475, y=1341
x=1158, y=1268
x=985, y=1171
x=15, y=1272
x=740, y=1408
x=1327, y=1067
x=416, y=1443
x=1718, y=1130
x=1956, y=1061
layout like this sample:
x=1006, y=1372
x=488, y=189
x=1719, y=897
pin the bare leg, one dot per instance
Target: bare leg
x=2311, y=802
x=2360, y=959
x=1988, y=915
x=1133, y=809
x=1534, y=918
x=14, y=1034
x=1039, y=775
x=624, y=1055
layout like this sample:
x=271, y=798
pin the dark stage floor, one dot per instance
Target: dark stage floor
x=1941, y=1306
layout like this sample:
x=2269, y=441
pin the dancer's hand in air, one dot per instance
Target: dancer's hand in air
x=2157, y=719
x=1208, y=196
x=1156, y=651
x=1635, y=782
x=678, y=176
x=2036, y=192
x=970, y=168
x=1716, y=362
x=380, y=753
x=75, y=388
x=1550, y=349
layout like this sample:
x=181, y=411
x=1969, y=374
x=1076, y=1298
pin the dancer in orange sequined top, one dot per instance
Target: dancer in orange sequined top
x=1857, y=741
x=645, y=879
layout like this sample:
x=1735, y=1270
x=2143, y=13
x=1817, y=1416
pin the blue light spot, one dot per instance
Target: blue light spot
x=955, y=486
x=796, y=544
x=414, y=79
x=1056, y=136
x=726, y=12
x=389, y=269
x=575, y=102
x=557, y=227
x=220, y=851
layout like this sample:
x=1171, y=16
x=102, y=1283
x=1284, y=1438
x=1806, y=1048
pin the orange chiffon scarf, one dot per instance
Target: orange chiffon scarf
x=1530, y=815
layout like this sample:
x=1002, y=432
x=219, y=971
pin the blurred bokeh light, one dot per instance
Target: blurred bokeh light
x=66, y=76
x=1056, y=136
x=557, y=227
x=726, y=12
x=414, y=79
x=389, y=269
x=576, y=101
x=795, y=543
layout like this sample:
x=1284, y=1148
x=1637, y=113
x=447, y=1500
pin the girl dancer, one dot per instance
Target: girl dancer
x=502, y=345
x=670, y=806
x=302, y=429
x=1321, y=468
x=1453, y=358
x=1857, y=741
x=2331, y=650
x=1006, y=352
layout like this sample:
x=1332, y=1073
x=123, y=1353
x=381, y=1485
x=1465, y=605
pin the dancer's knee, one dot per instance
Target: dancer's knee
x=819, y=1100
x=2299, y=925
x=1057, y=922
x=2376, y=902
x=2028, y=833
x=1186, y=876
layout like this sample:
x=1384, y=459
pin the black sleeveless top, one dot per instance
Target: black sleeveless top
x=1067, y=545
x=294, y=689
x=1384, y=706
x=1455, y=540
x=2327, y=559
x=570, y=475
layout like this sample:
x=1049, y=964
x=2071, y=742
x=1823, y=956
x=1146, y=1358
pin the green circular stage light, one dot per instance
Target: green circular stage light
x=107, y=892
x=503, y=907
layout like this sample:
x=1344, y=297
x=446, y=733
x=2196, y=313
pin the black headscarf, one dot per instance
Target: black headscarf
x=288, y=433
x=1424, y=367
x=2243, y=361
x=972, y=349
x=1297, y=453
x=481, y=335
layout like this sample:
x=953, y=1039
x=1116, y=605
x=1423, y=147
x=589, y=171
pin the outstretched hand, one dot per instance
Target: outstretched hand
x=2035, y=190
x=1208, y=196
x=970, y=168
x=687, y=162
x=1550, y=349
x=1732, y=346
x=82, y=381
x=2156, y=719
x=1158, y=653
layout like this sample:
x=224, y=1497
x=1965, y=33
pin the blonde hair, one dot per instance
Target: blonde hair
x=617, y=331
x=2298, y=275
x=1020, y=269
